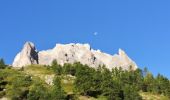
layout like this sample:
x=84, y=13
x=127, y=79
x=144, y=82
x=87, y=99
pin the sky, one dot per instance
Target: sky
x=140, y=27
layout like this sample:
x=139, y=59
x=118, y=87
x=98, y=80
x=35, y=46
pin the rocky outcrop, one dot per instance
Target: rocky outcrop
x=27, y=56
x=71, y=53
x=49, y=79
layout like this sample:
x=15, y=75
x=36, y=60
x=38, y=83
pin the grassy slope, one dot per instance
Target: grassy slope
x=150, y=96
x=38, y=70
x=67, y=83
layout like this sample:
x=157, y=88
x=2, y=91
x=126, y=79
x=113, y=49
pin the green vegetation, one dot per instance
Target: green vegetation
x=57, y=92
x=2, y=64
x=38, y=91
x=77, y=81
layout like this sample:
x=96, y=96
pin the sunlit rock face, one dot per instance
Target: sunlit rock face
x=71, y=53
x=27, y=56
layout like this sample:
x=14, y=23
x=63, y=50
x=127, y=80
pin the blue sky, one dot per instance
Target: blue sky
x=140, y=27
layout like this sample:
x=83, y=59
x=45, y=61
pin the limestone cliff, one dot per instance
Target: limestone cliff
x=70, y=53
x=27, y=56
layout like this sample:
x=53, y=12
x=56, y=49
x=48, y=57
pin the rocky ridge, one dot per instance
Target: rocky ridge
x=71, y=53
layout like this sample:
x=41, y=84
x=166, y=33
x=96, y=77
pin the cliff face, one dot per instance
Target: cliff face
x=70, y=53
x=27, y=56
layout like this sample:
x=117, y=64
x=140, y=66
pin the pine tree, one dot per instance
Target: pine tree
x=38, y=92
x=149, y=83
x=130, y=93
x=57, y=92
x=2, y=64
x=56, y=67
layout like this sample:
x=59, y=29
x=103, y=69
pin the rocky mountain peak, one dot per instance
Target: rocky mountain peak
x=71, y=53
x=29, y=45
x=27, y=56
x=121, y=52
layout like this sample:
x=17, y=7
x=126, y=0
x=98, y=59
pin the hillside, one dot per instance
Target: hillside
x=77, y=81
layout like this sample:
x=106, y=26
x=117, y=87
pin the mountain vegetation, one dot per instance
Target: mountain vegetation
x=81, y=82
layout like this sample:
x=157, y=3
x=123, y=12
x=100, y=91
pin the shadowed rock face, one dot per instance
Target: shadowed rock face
x=70, y=53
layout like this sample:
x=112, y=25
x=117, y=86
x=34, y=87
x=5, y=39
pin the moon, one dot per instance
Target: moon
x=95, y=33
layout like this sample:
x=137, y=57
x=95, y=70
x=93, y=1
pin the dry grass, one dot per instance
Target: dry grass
x=38, y=71
x=150, y=96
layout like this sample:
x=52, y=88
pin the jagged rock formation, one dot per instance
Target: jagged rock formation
x=70, y=53
x=27, y=56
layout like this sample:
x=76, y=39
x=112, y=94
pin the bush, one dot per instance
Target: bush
x=38, y=92
x=57, y=92
x=18, y=87
x=56, y=68
x=130, y=93
x=69, y=69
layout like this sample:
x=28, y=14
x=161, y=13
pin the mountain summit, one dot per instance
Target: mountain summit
x=71, y=53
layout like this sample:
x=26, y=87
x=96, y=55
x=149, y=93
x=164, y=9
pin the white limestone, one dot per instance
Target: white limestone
x=27, y=56
x=71, y=53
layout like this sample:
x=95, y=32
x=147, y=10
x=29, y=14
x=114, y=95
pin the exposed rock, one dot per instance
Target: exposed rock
x=70, y=53
x=4, y=98
x=49, y=79
x=27, y=56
